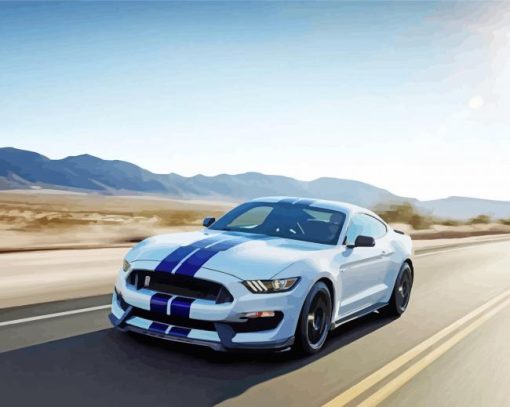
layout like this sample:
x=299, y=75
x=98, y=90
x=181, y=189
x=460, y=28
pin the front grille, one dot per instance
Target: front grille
x=120, y=300
x=173, y=320
x=183, y=286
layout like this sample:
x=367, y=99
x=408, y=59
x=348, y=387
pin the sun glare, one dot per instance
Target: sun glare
x=476, y=102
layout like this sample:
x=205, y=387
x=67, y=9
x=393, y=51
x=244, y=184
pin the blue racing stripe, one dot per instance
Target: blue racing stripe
x=178, y=331
x=180, y=307
x=193, y=263
x=174, y=258
x=179, y=254
x=305, y=201
x=159, y=303
x=158, y=327
x=287, y=200
x=200, y=244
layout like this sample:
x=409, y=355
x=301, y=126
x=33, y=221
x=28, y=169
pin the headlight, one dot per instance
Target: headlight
x=270, y=286
x=126, y=265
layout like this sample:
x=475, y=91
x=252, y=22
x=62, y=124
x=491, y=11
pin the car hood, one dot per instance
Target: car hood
x=251, y=257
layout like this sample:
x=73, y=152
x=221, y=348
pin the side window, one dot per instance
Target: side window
x=354, y=230
x=379, y=228
x=365, y=225
x=372, y=227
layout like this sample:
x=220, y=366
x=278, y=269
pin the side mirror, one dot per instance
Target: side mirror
x=208, y=221
x=362, y=241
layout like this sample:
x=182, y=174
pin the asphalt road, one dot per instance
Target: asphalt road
x=419, y=359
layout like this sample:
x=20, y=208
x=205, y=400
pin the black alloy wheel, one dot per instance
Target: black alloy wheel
x=401, y=292
x=314, y=320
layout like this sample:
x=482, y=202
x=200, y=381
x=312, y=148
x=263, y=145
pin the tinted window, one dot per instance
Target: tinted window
x=364, y=225
x=251, y=218
x=291, y=221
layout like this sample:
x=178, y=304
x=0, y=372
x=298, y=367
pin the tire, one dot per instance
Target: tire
x=314, y=320
x=401, y=292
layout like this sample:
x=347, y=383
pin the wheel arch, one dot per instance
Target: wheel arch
x=331, y=289
x=410, y=262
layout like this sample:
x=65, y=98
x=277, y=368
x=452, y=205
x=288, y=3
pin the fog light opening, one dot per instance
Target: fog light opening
x=259, y=314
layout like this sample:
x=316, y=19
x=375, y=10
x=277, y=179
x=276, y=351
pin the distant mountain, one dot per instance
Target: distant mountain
x=458, y=207
x=26, y=169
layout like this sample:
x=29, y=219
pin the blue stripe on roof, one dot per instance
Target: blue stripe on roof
x=287, y=200
x=305, y=201
x=179, y=254
x=193, y=263
x=159, y=303
x=180, y=307
x=178, y=331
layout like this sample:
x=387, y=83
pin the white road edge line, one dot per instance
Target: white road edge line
x=55, y=315
x=439, y=250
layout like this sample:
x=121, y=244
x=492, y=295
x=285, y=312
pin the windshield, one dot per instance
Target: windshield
x=291, y=221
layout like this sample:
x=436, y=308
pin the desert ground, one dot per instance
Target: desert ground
x=31, y=220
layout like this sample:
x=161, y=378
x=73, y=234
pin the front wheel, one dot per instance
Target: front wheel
x=401, y=292
x=314, y=320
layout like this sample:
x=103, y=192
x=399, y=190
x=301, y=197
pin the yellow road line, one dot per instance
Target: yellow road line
x=380, y=374
x=430, y=357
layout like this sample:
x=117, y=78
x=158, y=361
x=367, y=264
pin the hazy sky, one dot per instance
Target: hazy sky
x=413, y=97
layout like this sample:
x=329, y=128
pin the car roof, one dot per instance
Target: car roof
x=320, y=203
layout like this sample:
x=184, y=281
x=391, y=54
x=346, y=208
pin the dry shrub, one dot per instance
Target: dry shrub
x=449, y=222
x=405, y=213
x=480, y=219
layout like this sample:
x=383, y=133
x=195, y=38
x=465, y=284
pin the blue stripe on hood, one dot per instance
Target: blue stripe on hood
x=174, y=258
x=194, y=262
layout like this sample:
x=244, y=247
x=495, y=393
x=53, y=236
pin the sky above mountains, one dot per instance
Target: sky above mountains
x=412, y=97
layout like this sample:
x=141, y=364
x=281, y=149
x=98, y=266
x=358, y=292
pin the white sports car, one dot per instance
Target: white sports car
x=270, y=274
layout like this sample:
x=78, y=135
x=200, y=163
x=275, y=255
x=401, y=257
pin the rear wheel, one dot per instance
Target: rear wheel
x=314, y=320
x=401, y=292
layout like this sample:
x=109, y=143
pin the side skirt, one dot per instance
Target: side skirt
x=358, y=314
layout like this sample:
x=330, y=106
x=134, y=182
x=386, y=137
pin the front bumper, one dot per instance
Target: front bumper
x=213, y=344
x=204, y=322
